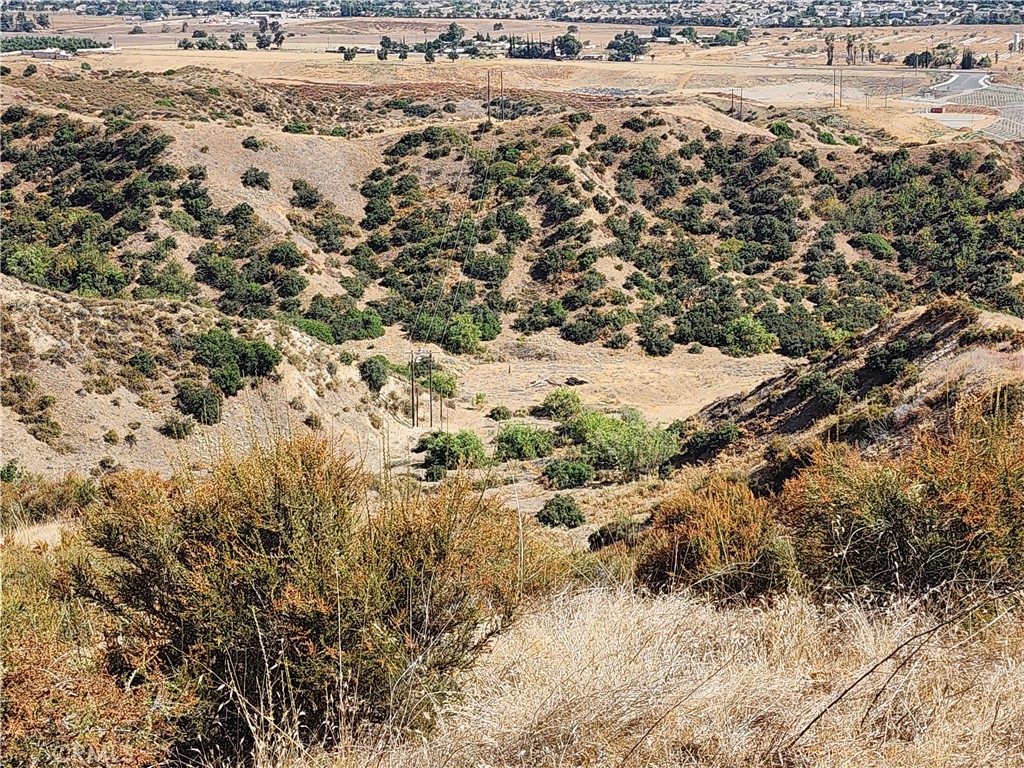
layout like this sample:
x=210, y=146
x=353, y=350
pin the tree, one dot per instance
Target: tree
x=830, y=48
x=263, y=40
x=237, y=41
x=374, y=372
x=662, y=30
x=453, y=35
x=463, y=335
x=278, y=39
x=428, y=56
x=568, y=46
x=627, y=46
x=137, y=30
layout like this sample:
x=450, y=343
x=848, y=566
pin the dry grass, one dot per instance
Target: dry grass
x=610, y=678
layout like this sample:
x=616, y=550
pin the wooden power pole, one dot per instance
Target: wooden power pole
x=412, y=385
x=430, y=384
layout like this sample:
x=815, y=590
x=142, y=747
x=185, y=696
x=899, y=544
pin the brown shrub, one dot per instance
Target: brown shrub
x=274, y=589
x=947, y=511
x=59, y=705
x=719, y=538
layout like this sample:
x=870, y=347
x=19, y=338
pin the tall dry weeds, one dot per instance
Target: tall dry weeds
x=608, y=678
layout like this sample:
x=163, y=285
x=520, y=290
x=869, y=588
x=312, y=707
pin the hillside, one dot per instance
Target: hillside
x=631, y=231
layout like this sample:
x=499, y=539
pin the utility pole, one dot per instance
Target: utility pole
x=840, y=87
x=732, y=101
x=430, y=377
x=488, y=97
x=412, y=385
x=833, y=88
x=501, y=87
x=741, y=104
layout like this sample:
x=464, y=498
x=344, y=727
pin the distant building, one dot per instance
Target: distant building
x=50, y=53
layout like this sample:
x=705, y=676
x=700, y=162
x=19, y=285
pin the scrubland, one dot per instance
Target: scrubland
x=285, y=607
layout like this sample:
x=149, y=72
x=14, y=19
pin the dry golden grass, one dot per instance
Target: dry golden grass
x=606, y=677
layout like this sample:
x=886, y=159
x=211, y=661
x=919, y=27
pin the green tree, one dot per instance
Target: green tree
x=374, y=372
x=568, y=46
x=462, y=336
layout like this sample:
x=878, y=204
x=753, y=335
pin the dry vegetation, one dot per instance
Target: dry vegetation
x=868, y=614
x=607, y=677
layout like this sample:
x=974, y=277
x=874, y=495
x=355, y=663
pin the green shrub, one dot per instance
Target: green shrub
x=500, y=413
x=144, y=362
x=314, y=328
x=781, y=129
x=462, y=335
x=451, y=450
x=628, y=446
x=374, y=373
x=202, y=402
x=706, y=443
x=561, y=404
x=618, y=340
x=10, y=471
x=296, y=126
x=254, y=177
x=561, y=510
x=746, y=337
x=177, y=427
x=874, y=244
x=306, y=195
x=218, y=349
x=228, y=379
x=523, y=441
x=568, y=473
x=435, y=473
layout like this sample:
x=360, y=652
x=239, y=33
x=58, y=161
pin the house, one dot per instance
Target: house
x=50, y=53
